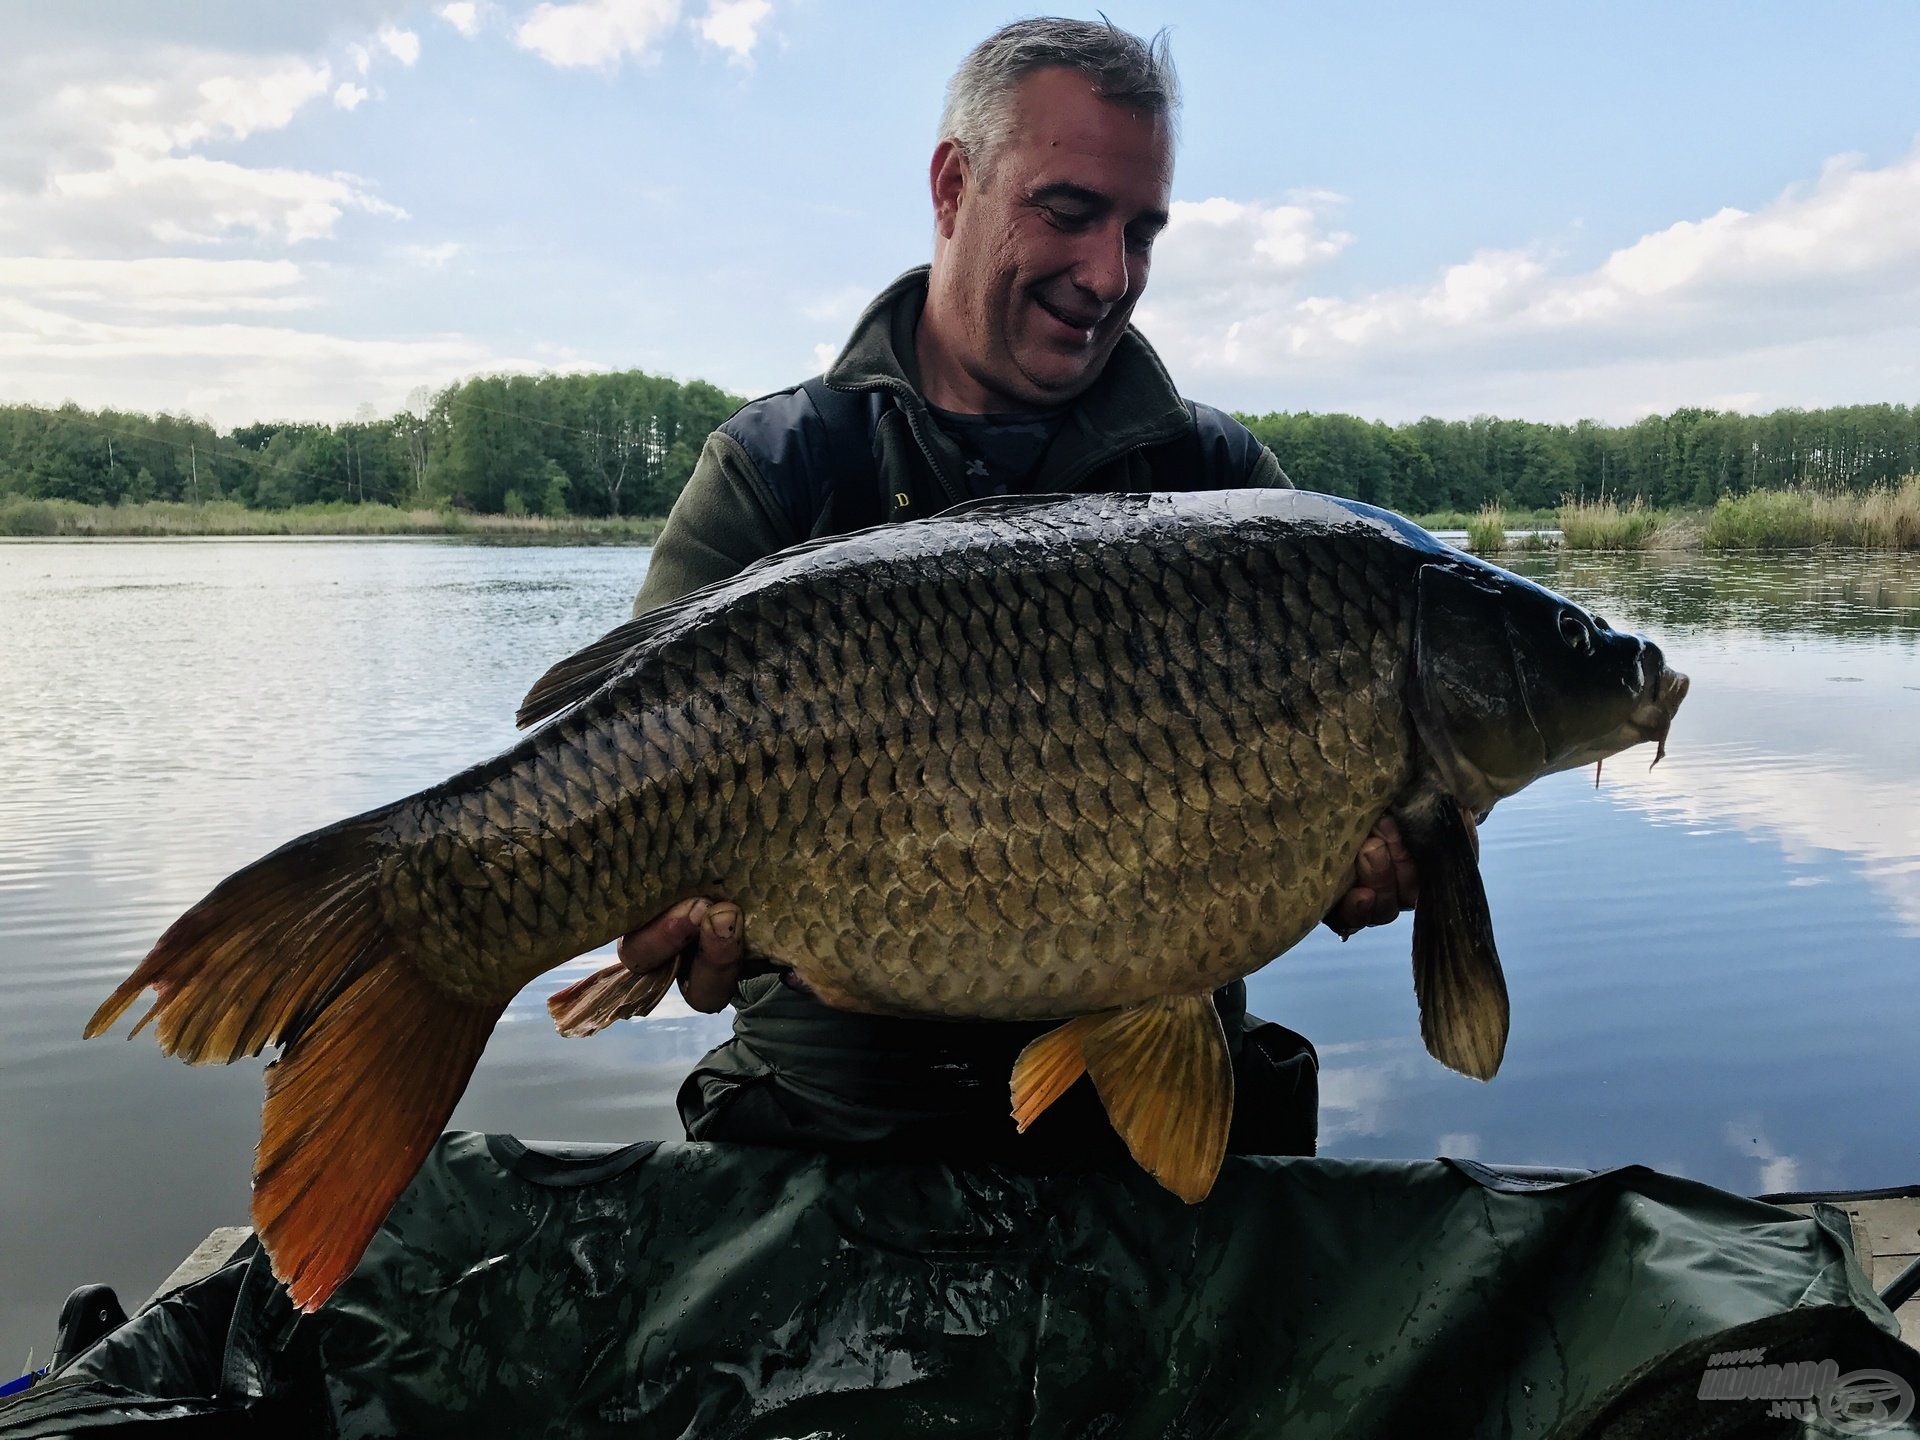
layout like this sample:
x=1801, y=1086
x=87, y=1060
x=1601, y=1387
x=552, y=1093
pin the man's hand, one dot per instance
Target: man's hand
x=707, y=933
x=1384, y=883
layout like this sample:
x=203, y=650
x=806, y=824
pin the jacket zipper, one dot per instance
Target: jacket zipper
x=1065, y=482
x=913, y=424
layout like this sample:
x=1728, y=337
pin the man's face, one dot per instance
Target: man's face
x=1042, y=259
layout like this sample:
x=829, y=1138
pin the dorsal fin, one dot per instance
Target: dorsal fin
x=579, y=675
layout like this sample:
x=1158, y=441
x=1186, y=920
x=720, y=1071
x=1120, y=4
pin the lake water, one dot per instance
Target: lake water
x=1714, y=965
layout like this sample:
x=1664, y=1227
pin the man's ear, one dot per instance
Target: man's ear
x=948, y=177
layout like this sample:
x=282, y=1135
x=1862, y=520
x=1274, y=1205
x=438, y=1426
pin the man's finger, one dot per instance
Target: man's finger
x=709, y=979
x=1400, y=878
x=1352, y=911
x=662, y=939
x=1373, y=867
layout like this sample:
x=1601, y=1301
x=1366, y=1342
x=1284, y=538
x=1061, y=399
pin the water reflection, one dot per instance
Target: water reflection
x=1809, y=744
x=1846, y=595
x=1712, y=964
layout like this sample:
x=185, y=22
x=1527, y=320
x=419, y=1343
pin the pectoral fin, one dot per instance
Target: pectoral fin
x=1163, y=1073
x=1456, y=968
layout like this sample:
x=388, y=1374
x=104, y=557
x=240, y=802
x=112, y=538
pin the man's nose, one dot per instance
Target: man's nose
x=1102, y=271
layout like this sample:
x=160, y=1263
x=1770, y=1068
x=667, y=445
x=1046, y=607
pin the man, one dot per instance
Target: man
x=1006, y=366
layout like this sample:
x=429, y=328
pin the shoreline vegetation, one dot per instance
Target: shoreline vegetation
x=601, y=458
x=1884, y=518
x=162, y=519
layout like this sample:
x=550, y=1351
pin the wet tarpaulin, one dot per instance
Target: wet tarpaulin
x=710, y=1290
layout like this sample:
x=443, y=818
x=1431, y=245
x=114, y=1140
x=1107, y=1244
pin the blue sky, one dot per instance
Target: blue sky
x=253, y=210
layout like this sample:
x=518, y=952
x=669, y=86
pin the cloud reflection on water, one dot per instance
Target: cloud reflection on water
x=1806, y=696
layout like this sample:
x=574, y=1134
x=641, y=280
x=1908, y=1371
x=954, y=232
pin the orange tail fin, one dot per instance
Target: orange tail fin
x=294, y=951
x=352, y=1109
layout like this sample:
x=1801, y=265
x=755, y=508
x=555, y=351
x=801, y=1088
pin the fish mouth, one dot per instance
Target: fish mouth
x=1652, y=718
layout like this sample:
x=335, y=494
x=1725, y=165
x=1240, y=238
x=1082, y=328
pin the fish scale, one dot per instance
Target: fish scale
x=960, y=783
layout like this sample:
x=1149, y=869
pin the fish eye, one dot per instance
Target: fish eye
x=1574, y=631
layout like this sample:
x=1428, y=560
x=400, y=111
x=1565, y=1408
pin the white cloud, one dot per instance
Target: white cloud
x=155, y=284
x=1778, y=1172
x=157, y=116
x=598, y=33
x=432, y=257
x=403, y=45
x=111, y=165
x=232, y=372
x=190, y=198
x=734, y=26
x=107, y=165
x=1220, y=260
x=1725, y=295
x=462, y=15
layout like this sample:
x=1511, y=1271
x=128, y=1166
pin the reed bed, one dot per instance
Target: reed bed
x=1487, y=531
x=22, y=516
x=1605, y=525
x=1463, y=519
x=1885, y=518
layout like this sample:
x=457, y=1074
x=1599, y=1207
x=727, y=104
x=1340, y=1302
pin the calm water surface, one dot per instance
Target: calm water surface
x=1715, y=965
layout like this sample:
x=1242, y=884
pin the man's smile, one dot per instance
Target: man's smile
x=1080, y=324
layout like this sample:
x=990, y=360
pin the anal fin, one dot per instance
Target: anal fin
x=1163, y=1074
x=614, y=993
x=1048, y=1067
x=1457, y=978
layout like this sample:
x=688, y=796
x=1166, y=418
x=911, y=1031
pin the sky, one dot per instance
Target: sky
x=255, y=209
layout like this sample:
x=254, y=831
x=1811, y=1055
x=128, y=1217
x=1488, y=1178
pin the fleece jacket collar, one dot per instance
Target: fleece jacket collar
x=1131, y=404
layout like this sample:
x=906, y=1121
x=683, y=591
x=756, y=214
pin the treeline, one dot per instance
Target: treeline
x=1691, y=457
x=616, y=444
x=624, y=444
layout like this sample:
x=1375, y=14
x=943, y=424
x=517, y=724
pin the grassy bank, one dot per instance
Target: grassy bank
x=164, y=518
x=1887, y=518
x=1882, y=519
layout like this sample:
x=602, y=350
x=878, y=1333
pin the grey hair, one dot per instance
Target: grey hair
x=1123, y=68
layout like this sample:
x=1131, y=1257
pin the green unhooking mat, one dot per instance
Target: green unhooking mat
x=721, y=1291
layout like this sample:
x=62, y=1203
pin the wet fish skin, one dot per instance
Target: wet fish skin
x=1082, y=763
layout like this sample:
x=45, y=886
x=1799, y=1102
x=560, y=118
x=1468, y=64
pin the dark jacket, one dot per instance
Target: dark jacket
x=858, y=447
x=766, y=479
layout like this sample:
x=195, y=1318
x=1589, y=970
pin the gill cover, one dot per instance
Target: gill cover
x=1469, y=701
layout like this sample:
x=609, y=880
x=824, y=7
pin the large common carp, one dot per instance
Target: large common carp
x=1084, y=758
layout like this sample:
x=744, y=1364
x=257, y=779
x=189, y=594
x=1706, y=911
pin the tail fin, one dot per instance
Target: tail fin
x=294, y=951
x=352, y=1109
x=264, y=952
